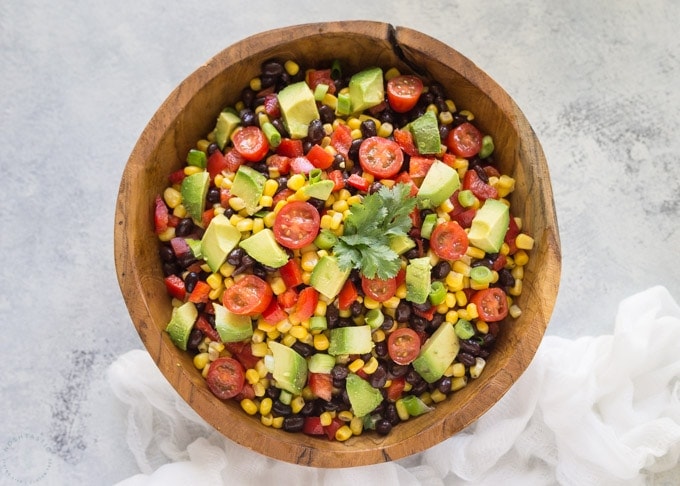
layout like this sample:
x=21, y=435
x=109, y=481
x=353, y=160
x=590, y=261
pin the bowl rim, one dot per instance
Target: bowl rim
x=288, y=447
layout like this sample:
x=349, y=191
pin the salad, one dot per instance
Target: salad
x=340, y=249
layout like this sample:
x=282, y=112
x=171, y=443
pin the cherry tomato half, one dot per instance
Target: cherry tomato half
x=225, y=378
x=464, y=140
x=249, y=296
x=492, y=304
x=296, y=224
x=381, y=157
x=449, y=240
x=403, y=92
x=251, y=143
x=403, y=345
x=378, y=289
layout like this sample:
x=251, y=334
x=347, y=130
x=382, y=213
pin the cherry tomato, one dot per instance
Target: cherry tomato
x=449, y=240
x=378, y=289
x=492, y=304
x=321, y=385
x=249, y=296
x=225, y=378
x=251, y=143
x=464, y=140
x=296, y=224
x=403, y=345
x=403, y=92
x=381, y=157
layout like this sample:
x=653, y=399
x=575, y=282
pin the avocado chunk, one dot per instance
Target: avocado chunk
x=425, y=130
x=227, y=122
x=489, y=226
x=400, y=244
x=350, y=340
x=327, y=276
x=298, y=108
x=290, y=368
x=362, y=396
x=194, y=189
x=262, y=246
x=248, y=185
x=366, y=89
x=181, y=323
x=418, y=280
x=218, y=240
x=437, y=353
x=231, y=327
x=319, y=190
x=415, y=406
x=440, y=182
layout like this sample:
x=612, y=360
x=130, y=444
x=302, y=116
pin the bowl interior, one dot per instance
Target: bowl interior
x=189, y=113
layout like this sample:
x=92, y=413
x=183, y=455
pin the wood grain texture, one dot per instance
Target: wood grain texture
x=189, y=113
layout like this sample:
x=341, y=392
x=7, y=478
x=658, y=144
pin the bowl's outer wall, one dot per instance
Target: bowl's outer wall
x=189, y=114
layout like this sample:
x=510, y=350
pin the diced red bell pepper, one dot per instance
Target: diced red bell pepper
x=464, y=218
x=234, y=160
x=216, y=164
x=288, y=298
x=314, y=77
x=200, y=293
x=331, y=429
x=396, y=388
x=291, y=273
x=405, y=140
x=347, y=295
x=243, y=353
x=207, y=216
x=337, y=178
x=319, y=157
x=419, y=165
x=290, y=148
x=511, y=236
x=301, y=165
x=321, y=385
x=176, y=177
x=274, y=314
x=358, y=182
x=341, y=139
x=305, y=305
x=312, y=426
x=160, y=215
x=499, y=262
x=175, y=286
x=204, y=326
x=428, y=314
x=271, y=106
x=479, y=188
x=280, y=163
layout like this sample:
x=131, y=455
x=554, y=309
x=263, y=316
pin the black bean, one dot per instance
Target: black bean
x=293, y=423
x=441, y=270
x=338, y=162
x=170, y=268
x=248, y=97
x=195, y=338
x=381, y=349
x=190, y=281
x=412, y=253
x=436, y=321
x=383, y=426
x=379, y=377
x=397, y=370
x=339, y=372
x=166, y=253
x=424, y=307
x=234, y=257
x=280, y=127
x=356, y=308
x=418, y=323
x=505, y=278
x=260, y=271
x=483, y=262
x=267, y=81
x=317, y=203
x=212, y=148
x=187, y=260
x=390, y=413
x=261, y=167
x=413, y=377
x=326, y=114
x=248, y=117
x=466, y=359
x=481, y=172
x=387, y=324
x=374, y=187
x=308, y=409
x=315, y=132
x=403, y=312
x=228, y=212
x=444, y=132
x=303, y=349
x=444, y=384
x=272, y=68
x=353, y=153
x=419, y=388
x=247, y=260
x=280, y=409
x=213, y=195
x=184, y=227
x=272, y=392
x=469, y=346
x=368, y=128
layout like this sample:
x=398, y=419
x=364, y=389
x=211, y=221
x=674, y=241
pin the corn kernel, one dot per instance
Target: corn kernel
x=392, y=302
x=288, y=340
x=515, y=311
x=291, y=67
x=461, y=298
x=517, y=272
x=201, y=360
x=516, y=289
x=267, y=420
x=378, y=336
x=326, y=221
x=278, y=285
x=437, y=396
x=458, y=370
x=216, y=294
x=356, y=365
x=256, y=84
x=370, y=367
x=277, y=422
x=308, y=261
x=259, y=349
x=343, y=433
x=461, y=267
x=356, y=425
x=168, y=234
x=295, y=182
x=355, y=199
x=236, y=203
x=269, y=219
x=344, y=194
x=297, y=403
x=214, y=280
x=472, y=311
x=370, y=303
x=321, y=342
x=226, y=270
x=345, y=415
x=401, y=410
x=298, y=332
x=252, y=376
x=191, y=170
x=454, y=281
x=482, y=327
x=336, y=219
x=385, y=130
x=521, y=257
x=477, y=368
x=467, y=114
x=458, y=382
x=249, y=406
x=474, y=252
x=172, y=197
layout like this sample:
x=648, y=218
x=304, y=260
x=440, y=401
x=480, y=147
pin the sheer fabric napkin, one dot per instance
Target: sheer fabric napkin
x=599, y=410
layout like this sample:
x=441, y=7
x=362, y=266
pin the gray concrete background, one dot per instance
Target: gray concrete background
x=79, y=81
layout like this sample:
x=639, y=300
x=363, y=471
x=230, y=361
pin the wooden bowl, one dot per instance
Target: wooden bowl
x=189, y=113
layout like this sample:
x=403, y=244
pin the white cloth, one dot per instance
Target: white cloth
x=589, y=411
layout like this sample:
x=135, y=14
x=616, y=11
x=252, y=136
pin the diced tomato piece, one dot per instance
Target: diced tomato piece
x=271, y=105
x=175, y=286
x=396, y=388
x=274, y=314
x=200, y=293
x=318, y=156
x=177, y=177
x=305, y=306
x=204, y=326
x=301, y=165
x=358, y=182
x=160, y=215
x=315, y=77
x=290, y=148
x=500, y=262
x=449, y=159
x=234, y=160
x=291, y=273
x=312, y=426
x=418, y=166
x=337, y=178
x=405, y=140
x=279, y=162
x=341, y=139
x=288, y=298
x=479, y=188
x=242, y=351
x=321, y=385
x=216, y=164
x=347, y=295
x=511, y=235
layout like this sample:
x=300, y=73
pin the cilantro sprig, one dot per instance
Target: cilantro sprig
x=368, y=229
